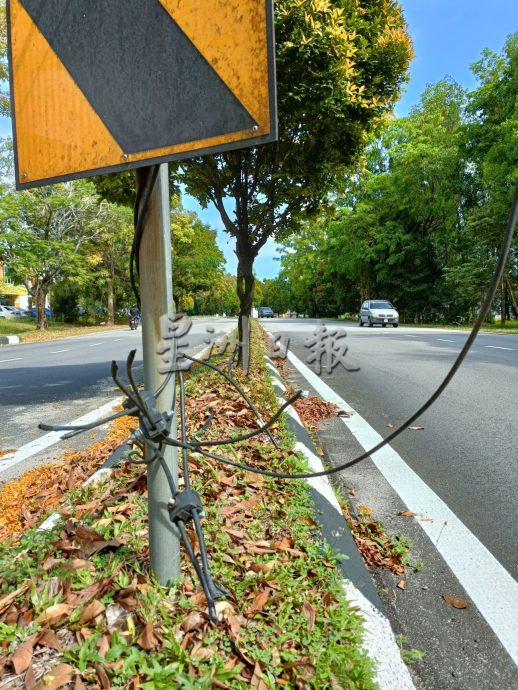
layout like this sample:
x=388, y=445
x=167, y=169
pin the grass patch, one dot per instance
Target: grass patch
x=26, y=330
x=510, y=327
x=83, y=598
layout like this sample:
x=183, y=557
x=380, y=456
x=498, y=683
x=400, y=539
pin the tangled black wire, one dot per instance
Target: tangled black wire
x=155, y=426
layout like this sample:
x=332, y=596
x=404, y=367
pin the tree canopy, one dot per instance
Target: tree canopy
x=422, y=220
x=340, y=66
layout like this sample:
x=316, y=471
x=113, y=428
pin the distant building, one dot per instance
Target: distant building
x=10, y=294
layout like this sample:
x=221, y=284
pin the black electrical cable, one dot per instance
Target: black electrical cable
x=256, y=432
x=183, y=429
x=86, y=427
x=506, y=245
x=239, y=390
x=141, y=207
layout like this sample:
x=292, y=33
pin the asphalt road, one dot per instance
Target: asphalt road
x=466, y=453
x=60, y=380
x=468, y=450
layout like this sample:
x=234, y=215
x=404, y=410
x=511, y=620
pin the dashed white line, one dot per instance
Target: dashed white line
x=53, y=437
x=444, y=340
x=13, y=359
x=407, y=335
x=57, y=352
x=471, y=562
x=116, y=339
x=497, y=347
x=95, y=344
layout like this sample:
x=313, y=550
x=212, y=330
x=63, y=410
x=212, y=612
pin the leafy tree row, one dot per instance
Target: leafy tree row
x=66, y=240
x=422, y=220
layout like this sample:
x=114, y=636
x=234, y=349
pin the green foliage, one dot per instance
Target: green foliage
x=423, y=216
x=340, y=66
x=197, y=259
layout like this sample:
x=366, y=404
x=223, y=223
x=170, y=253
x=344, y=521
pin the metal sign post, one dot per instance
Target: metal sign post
x=156, y=292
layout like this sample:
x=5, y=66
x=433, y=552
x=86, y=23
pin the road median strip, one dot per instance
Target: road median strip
x=285, y=624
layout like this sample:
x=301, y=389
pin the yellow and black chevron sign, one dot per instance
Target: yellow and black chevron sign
x=106, y=85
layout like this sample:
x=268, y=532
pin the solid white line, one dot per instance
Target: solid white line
x=471, y=562
x=57, y=352
x=13, y=359
x=497, y=347
x=378, y=638
x=444, y=340
x=47, y=440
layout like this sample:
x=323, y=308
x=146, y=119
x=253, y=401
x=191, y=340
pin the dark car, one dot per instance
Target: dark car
x=265, y=313
x=32, y=312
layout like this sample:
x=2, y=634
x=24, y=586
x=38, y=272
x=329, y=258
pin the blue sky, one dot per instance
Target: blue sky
x=448, y=36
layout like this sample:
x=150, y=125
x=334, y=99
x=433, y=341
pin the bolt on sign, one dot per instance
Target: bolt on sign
x=101, y=86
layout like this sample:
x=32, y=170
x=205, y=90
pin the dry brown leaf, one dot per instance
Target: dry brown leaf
x=22, y=657
x=257, y=682
x=401, y=584
x=30, y=679
x=103, y=677
x=115, y=616
x=91, y=611
x=260, y=600
x=455, y=602
x=103, y=645
x=192, y=621
x=147, y=639
x=48, y=639
x=8, y=599
x=391, y=426
x=224, y=609
x=365, y=510
x=310, y=612
x=79, y=685
x=235, y=624
x=57, y=677
x=54, y=614
x=407, y=513
x=77, y=564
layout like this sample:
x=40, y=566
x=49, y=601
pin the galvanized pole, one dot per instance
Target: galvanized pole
x=156, y=293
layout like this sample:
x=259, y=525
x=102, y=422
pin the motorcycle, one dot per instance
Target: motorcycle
x=133, y=323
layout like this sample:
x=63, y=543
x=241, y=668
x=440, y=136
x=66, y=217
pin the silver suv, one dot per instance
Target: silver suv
x=378, y=311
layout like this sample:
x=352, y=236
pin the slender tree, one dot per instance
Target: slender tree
x=340, y=66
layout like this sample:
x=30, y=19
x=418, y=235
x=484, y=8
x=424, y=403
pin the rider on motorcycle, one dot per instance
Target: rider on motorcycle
x=134, y=315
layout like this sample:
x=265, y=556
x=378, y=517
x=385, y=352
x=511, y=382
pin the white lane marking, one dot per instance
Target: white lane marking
x=57, y=352
x=378, y=638
x=445, y=340
x=497, y=347
x=13, y=359
x=407, y=335
x=116, y=339
x=471, y=562
x=95, y=344
x=379, y=643
x=47, y=440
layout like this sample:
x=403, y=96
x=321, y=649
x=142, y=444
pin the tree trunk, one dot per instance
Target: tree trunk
x=41, y=300
x=110, y=302
x=503, y=304
x=110, y=297
x=245, y=284
x=245, y=292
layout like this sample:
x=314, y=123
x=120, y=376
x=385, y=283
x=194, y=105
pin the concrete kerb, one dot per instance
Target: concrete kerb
x=9, y=339
x=379, y=641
